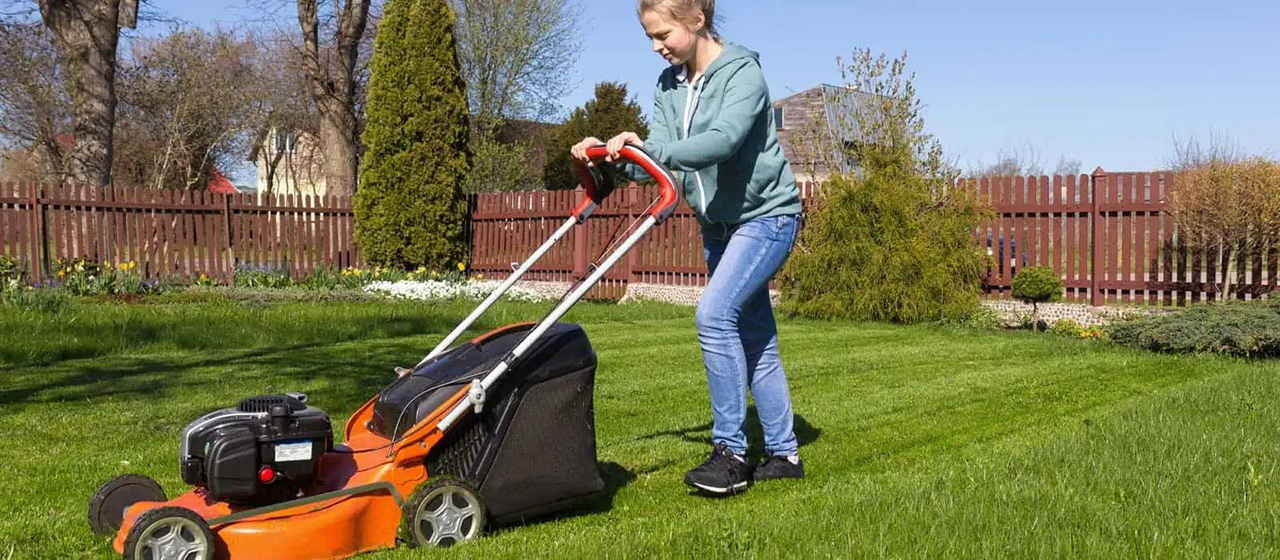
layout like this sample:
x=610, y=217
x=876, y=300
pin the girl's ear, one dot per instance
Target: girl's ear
x=702, y=22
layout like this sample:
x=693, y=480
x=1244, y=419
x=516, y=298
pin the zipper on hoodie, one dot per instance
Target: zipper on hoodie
x=693, y=97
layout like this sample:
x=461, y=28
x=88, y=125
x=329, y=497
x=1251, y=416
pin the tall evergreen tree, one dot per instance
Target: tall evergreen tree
x=605, y=116
x=409, y=208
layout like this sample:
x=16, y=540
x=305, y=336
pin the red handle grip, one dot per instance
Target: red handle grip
x=668, y=197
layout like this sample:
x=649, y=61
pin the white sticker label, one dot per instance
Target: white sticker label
x=293, y=451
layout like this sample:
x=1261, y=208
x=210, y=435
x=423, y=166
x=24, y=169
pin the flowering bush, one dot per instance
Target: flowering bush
x=249, y=275
x=445, y=290
x=360, y=277
x=10, y=275
x=205, y=280
x=81, y=277
x=1067, y=327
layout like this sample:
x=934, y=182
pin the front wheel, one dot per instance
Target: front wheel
x=169, y=533
x=442, y=512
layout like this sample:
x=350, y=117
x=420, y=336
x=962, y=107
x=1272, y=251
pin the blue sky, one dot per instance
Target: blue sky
x=1108, y=83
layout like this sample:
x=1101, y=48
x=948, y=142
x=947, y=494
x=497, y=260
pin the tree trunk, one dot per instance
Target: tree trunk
x=87, y=32
x=338, y=138
x=332, y=87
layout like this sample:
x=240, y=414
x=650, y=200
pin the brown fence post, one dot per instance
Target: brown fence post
x=39, y=249
x=42, y=211
x=1099, y=182
x=230, y=251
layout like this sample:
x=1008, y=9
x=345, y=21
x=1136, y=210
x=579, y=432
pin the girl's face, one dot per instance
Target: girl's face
x=674, y=40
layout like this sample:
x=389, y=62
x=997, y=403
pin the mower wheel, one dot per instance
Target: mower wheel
x=169, y=533
x=443, y=511
x=106, y=509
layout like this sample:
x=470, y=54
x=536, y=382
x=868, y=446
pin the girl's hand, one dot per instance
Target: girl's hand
x=579, y=150
x=617, y=142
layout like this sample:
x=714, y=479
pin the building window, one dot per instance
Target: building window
x=777, y=118
x=286, y=141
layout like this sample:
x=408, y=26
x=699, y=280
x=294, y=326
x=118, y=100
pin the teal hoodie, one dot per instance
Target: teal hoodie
x=718, y=136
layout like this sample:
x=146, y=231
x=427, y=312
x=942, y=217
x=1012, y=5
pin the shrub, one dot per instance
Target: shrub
x=1249, y=329
x=409, y=207
x=1036, y=285
x=892, y=241
x=1231, y=210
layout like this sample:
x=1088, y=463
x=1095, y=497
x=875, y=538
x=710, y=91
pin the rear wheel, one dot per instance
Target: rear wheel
x=169, y=533
x=443, y=511
x=106, y=509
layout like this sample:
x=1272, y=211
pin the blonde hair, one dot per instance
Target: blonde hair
x=683, y=11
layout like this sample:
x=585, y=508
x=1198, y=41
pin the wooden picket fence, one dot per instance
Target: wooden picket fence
x=174, y=234
x=1112, y=223
x=1115, y=224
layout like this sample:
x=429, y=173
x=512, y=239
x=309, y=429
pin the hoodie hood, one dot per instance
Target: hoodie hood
x=729, y=54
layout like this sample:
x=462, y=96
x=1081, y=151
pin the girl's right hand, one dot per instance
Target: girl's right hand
x=579, y=150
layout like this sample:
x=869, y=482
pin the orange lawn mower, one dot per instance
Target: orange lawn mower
x=494, y=431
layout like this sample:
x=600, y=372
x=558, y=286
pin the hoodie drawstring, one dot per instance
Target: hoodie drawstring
x=692, y=98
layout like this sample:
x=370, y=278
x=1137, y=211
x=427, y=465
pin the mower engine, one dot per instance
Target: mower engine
x=264, y=451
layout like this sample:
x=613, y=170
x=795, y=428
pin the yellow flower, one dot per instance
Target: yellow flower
x=461, y=267
x=479, y=276
x=132, y=265
x=62, y=273
x=203, y=278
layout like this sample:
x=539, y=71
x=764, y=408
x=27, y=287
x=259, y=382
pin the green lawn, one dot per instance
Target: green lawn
x=920, y=442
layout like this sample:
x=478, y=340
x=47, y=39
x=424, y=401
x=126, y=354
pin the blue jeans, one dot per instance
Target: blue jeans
x=738, y=335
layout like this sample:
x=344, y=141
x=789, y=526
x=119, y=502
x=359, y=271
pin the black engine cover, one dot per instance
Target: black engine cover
x=226, y=450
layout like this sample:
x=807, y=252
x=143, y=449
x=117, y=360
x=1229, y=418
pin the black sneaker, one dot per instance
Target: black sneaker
x=778, y=466
x=722, y=473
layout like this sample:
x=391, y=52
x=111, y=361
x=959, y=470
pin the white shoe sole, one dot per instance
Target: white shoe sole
x=721, y=490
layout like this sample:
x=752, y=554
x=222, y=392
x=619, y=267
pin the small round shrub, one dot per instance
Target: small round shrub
x=1037, y=284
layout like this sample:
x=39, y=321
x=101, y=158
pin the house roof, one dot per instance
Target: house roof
x=837, y=109
x=843, y=105
x=219, y=184
x=840, y=105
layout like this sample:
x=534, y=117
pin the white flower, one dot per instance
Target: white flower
x=437, y=290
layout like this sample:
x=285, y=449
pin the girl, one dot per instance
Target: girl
x=713, y=126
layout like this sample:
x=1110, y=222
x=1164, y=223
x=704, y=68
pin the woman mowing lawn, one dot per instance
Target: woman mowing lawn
x=713, y=127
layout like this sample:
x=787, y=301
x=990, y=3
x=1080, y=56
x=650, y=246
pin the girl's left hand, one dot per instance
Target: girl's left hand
x=615, y=144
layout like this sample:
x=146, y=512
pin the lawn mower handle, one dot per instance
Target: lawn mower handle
x=668, y=198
